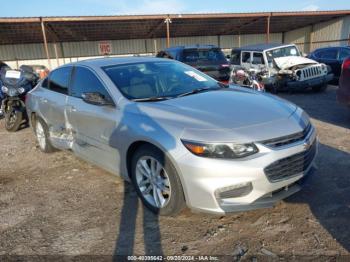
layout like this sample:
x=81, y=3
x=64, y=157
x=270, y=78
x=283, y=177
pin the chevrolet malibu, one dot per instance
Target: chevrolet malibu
x=178, y=135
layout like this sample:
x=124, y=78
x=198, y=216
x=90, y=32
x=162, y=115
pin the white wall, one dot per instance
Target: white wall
x=16, y=55
x=331, y=31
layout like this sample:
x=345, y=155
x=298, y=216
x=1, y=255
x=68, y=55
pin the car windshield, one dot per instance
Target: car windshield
x=281, y=52
x=197, y=55
x=161, y=79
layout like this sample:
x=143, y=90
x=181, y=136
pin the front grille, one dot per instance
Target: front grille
x=290, y=166
x=311, y=71
x=290, y=139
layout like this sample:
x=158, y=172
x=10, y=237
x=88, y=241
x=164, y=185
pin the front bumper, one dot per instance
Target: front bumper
x=318, y=81
x=203, y=177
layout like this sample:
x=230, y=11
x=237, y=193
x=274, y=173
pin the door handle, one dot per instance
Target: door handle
x=72, y=109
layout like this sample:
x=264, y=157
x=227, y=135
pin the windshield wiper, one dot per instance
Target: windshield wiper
x=151, y=99
x=200, y=90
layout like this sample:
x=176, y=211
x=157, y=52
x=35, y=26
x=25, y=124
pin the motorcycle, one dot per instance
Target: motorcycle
x=15, y=84
x=251, y=78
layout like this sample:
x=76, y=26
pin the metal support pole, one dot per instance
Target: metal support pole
x=311, y=39
x=239, y=39
x=45, y=43
x=62, y=53
x=155, y=46
x=268, y=29
x=167, y=22
x=146, y=49
x=56, y=54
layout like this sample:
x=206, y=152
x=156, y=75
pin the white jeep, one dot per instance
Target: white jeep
x=283, y=67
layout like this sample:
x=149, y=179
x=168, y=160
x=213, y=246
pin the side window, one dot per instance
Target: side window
x=245, y=57
x=172, y=54
x=258, y=59
x=344, y=53
x=84, y=81
x=328, y=54
x=59, y=80
x=45, y=83
x=236, y=57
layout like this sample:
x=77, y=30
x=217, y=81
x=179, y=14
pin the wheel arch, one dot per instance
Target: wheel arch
x=133, y=147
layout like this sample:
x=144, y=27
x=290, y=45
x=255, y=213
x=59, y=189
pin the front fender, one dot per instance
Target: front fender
x=134, y=127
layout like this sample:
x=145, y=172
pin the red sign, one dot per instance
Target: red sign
x=105, y=48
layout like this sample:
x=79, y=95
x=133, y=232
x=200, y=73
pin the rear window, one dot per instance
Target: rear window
x=59, y=80
x=246, y=57
x=327, y=54
x=236, y=57
x=258, y=59
x=196, y=55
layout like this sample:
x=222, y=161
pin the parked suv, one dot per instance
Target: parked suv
x=206, y=58
x=331, y=56
x=283, y=65
x=169, y=129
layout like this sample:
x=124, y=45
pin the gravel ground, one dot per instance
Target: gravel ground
x=57, y=204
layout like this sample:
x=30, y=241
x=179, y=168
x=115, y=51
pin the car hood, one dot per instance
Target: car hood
x=222, y=115
x=289, y=61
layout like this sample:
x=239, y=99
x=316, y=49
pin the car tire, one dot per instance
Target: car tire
x=43, y=137
x=173, y=192
x=320, y=88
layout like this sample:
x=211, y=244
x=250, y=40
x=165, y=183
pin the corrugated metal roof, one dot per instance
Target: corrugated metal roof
x=95, y=28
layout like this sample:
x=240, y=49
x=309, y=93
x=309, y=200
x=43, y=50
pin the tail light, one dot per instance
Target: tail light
x=346, y=64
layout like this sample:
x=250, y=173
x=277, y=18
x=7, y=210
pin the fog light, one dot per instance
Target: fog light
x=238, y=190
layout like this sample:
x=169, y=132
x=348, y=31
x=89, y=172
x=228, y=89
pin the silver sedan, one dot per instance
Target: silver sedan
x=181, y=137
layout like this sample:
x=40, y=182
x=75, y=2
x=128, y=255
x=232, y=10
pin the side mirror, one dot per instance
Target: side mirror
x=96, y=98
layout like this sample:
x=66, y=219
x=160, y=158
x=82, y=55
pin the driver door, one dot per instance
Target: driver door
x=92, y=125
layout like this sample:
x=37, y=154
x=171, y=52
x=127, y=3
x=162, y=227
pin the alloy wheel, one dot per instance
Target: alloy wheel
x=153, y=181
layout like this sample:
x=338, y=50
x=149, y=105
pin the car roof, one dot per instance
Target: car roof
x=110, y=61
x=330, y=47
x=191, y=47
x=260, y=47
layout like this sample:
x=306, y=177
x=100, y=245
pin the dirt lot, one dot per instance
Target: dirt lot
x=58, y=204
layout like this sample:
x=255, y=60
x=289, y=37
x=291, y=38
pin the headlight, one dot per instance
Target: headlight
x=4, y=89
x=21, y=90
x=217, y=150
x=12, y=92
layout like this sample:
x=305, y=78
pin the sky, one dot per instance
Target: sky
x=19, y=8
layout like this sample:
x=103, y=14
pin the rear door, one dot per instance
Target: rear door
x=52, y=100
x=92, y=125
x=235, y=59
x=330, y=57
x=246, y=59
x=258, y=61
